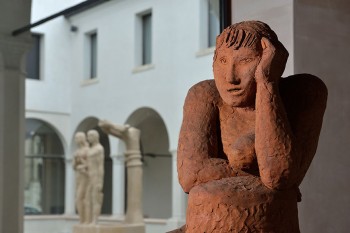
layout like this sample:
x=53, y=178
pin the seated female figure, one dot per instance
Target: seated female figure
x=248, y=136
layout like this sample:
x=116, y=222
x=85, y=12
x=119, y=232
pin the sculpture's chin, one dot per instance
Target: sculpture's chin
x=238, y=101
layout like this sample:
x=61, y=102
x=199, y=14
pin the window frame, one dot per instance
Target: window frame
x=203, y=36
x=91, y=55
x=140, y=41
x=34, y=57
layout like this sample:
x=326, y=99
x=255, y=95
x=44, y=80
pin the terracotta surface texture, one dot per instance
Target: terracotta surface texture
x=248, y=137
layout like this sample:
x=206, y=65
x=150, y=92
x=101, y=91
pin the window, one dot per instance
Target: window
x=92, y=50
x=44, y=169
x=214, y=16
x=147, y=39
x=143, y=41
x=213, y=21
x=33, y=58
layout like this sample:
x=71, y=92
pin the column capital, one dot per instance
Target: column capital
x=12, y=51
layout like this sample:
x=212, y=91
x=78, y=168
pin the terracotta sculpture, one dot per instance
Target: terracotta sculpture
x=131, y=138
x=248, y=136
x=95, y=160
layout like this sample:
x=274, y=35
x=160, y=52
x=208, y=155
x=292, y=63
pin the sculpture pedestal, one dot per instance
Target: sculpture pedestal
x=241, y=204
x=105, y=228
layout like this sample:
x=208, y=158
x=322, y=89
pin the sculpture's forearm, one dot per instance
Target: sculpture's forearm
x=199, y=141
x=110, y=128
x=276, y=150
x=194, y=171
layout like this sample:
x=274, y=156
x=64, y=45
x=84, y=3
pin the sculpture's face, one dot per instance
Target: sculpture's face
x=92, y=137
x=234, y=74
x=80, y=138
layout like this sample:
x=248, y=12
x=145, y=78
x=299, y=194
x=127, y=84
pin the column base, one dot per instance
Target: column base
x=109, y=228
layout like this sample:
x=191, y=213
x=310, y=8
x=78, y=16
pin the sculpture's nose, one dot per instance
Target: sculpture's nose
x=232, y=77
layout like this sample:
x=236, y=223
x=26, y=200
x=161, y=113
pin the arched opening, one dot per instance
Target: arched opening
x=156, y=162
x=44, y=169
x=86, y=125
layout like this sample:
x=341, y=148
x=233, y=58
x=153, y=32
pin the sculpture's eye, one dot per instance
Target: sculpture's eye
x=246, y=60
x=223, y=60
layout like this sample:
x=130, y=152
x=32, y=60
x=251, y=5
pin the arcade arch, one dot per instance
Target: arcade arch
x=44, y=169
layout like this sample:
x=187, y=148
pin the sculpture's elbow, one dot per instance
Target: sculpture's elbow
x=186, y=186
x=279, y=183
x=273, y=186
x=187, y=178
x=186, y=170
x=187, y=181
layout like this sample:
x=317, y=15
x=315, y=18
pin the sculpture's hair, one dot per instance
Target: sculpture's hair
x=245, y=34
x=80, y=134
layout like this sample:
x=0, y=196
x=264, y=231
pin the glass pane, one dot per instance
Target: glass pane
x=93, y=44
x=33, y=59
x=44, y=170
x=147, y=39
x=213, y=21
x=44, y=186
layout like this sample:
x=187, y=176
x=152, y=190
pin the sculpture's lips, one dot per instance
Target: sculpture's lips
x=235, y=90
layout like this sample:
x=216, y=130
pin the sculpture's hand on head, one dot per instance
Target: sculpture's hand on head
x=273, y=61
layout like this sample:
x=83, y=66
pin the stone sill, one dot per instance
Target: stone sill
x=143, y=68
x=87, y=82
x=105, y=218
x=205, y=52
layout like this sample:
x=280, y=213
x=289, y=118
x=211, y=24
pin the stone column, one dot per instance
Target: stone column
x=179, y=199
x=69, y=206
x=131, y=137
x=134, y=213
x=118, y=192
x=12, y=132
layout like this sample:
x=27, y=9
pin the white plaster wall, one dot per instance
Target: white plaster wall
x=52, y=92
x=119, y=91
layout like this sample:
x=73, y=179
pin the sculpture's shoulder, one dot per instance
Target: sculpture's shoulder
x=203, y=92
x=304, y=91
x=100, y=148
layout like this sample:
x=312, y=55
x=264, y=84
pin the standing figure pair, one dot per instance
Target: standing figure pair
x=88, y=164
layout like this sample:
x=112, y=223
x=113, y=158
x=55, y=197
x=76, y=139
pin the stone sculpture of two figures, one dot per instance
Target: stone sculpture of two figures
x=248, y=137
x=89, y=166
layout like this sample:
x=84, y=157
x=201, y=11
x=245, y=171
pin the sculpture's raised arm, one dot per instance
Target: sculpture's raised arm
x=113, y=129
x=284, y=153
